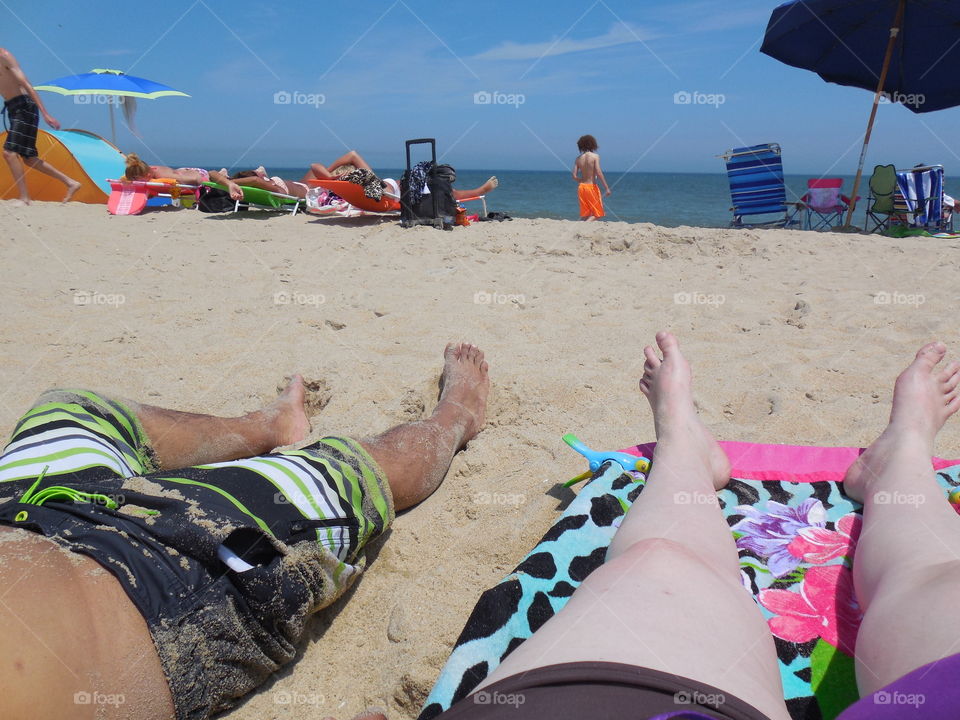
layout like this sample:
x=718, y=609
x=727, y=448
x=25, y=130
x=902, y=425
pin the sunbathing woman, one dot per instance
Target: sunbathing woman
x=137, y=169
x=667, y=616
x=354, y=161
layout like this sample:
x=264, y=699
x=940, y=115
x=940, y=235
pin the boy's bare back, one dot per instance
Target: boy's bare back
x=587, y=165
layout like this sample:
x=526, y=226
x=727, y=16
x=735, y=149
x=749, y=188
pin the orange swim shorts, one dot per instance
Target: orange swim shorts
x=590, y=200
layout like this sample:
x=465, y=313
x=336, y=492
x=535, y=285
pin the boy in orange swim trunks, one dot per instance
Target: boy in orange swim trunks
x=586, y=170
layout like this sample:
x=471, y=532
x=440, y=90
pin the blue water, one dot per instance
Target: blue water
x=669, y=199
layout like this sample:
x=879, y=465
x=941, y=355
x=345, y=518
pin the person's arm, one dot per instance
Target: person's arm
x=576, y=167
x=599, y=174
x=235, y=191
x=14, y=67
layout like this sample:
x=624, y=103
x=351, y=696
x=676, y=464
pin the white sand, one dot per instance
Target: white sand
x=798, y=351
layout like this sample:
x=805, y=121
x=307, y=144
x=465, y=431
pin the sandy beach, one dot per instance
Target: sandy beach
x=795, y=337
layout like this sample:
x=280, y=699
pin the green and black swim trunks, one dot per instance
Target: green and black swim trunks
x=24, y=119
x=226, y=562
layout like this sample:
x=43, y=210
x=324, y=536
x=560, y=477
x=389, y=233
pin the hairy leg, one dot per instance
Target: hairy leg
x=906, y=571
x=669, y=597
x=183, y=439
x=416, y=456
x=48, y=169
x=16, y=169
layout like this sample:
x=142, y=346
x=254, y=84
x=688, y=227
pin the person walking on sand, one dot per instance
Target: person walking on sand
x=586, y=171
x=23, y=107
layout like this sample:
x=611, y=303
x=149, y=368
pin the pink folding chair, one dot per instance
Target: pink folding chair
x=824, y=206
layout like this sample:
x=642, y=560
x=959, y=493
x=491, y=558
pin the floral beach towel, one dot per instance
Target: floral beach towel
x=797, y=535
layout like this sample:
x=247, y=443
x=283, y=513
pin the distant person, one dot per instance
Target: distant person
x=586, y=170
x=23, y=108
x=137, y=169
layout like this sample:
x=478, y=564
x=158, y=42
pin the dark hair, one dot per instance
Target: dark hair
x=587, y=143
x=245, y=174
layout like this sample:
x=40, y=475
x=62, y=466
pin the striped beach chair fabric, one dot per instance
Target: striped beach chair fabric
x=757, y=188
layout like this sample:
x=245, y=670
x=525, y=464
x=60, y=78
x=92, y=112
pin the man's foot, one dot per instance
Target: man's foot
x=923, y=400
x=667, y=385
x=464, y=385
x=287, y=414
x=72, y=188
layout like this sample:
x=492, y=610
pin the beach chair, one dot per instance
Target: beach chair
x=756, y=186
x=260, y=199
x=823, y=204
x=922, y=190
x=130, y=197
x=882, y=208
x=354, y=203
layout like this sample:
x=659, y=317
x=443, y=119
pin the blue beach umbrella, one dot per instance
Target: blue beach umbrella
x=117, y=83
x=904, y=51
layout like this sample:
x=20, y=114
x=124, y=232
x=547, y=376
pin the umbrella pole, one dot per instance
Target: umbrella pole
x=891, y=43
x=113, y=125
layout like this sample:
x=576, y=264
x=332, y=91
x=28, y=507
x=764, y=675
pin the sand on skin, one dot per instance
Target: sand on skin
x=794, y=337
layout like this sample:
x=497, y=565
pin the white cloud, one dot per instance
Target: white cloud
x=619, y=34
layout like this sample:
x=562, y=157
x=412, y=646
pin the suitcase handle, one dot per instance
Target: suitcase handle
x=422, y=141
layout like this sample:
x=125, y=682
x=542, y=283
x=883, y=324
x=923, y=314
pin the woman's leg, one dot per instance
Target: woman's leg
x=669, y=597
x=907, y=568
x=488, y=186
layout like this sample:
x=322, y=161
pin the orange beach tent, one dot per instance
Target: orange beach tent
x=82, y=155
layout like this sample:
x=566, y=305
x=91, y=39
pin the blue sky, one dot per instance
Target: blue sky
x=371, y=75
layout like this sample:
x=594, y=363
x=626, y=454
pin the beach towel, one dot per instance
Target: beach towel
x=796, y=532
x=923, y=192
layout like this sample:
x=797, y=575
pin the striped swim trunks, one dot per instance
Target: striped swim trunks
x=226, y=562
x=24, y=122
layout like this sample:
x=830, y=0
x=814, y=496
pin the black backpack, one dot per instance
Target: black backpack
x=437, y=206
x=215, y=200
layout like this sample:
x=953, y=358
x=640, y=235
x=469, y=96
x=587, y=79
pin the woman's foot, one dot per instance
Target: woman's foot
x=667, y=385
x=464, y=387
x=923, y=400
x=287, y=416
x=489, y=185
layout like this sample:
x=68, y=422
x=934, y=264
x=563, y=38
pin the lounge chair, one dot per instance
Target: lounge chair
x=254, y=197
x=756, y=186
x=130, y=197
x=823, y=204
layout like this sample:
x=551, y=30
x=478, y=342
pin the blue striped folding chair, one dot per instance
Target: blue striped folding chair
x=922, y=189
x=756, y=186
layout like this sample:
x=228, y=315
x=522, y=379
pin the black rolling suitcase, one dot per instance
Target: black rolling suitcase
x=437, y=208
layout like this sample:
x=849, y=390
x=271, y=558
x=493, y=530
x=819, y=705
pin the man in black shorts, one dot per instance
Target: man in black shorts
x=157, y=564
x=23, y=108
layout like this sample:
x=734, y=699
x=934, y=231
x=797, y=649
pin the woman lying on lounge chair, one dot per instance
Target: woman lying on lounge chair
x=137, y=169
x=353, y=161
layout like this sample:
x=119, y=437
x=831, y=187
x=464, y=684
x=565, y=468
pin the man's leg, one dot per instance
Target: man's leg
x=183, y=439
x=46, y=168
x=907, y=569
x=669, y=597
x=415, y=457
x=16, y=169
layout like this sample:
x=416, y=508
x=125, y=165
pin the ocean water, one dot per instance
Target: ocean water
x=669, y=199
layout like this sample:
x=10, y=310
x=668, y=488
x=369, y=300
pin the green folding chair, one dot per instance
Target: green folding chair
x=881, y=205
x=262, y=199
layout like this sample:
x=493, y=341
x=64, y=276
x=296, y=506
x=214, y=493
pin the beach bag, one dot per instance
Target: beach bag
x=215, y=200
x=437, y=207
